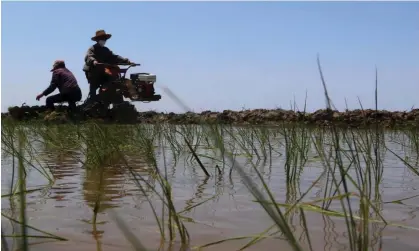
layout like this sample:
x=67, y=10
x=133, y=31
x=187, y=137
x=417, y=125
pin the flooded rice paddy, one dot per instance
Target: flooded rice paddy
x=128, y=187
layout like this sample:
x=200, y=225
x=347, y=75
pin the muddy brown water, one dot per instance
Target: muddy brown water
x=66, y=207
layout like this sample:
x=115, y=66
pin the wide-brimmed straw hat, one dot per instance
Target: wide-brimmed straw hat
x=58, y=63
x=100, y=34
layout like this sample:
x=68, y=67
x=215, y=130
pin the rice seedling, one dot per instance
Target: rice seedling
x=108, y=146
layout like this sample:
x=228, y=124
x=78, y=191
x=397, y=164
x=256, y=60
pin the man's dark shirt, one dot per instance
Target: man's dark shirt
x=101, y=55
x=64, y=80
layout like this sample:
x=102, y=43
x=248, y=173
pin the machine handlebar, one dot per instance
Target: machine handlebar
x=125, y=64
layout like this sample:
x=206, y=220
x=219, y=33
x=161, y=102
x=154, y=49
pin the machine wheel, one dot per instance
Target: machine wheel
x=96, y=110
x=118, y=98
x=124, y=113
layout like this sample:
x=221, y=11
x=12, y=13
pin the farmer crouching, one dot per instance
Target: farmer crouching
x=99, y=53
x=64, y=80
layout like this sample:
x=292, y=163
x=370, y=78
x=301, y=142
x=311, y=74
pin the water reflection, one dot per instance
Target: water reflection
x=64, y=167
x=103, y=184
x=220, y=205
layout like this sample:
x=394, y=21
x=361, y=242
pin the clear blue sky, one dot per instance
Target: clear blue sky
x=224, y=55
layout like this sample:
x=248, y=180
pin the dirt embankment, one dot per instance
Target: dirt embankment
x=354, y=118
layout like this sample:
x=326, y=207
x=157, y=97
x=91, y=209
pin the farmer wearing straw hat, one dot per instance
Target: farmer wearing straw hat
x=64, y=80
x=99, y=53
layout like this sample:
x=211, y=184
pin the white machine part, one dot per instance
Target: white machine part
x=147, y=77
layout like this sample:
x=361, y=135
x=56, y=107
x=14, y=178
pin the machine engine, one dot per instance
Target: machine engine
x=141, y=87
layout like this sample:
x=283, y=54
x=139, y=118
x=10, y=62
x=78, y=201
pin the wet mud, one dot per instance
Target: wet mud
x=323, y=117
